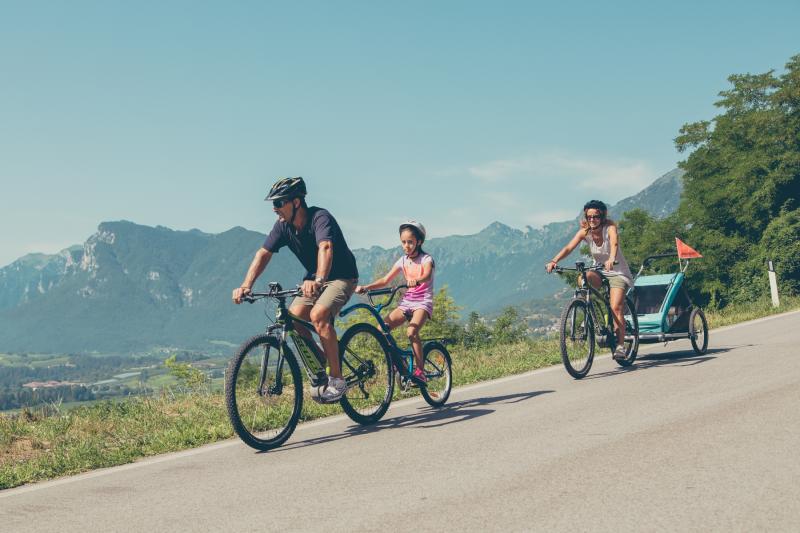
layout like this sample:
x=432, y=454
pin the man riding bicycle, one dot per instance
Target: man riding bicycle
x=314, y=236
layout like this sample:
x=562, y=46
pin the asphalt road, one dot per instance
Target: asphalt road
x=680, y=442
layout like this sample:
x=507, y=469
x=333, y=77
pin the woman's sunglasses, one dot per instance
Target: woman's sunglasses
x=594, y=217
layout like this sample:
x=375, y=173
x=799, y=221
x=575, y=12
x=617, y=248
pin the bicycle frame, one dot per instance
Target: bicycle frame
x=403, y=359
x=398, y=354
x=603, y=329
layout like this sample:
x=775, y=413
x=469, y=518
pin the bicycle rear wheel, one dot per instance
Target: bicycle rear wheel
x=631, y=334
x=438, y=370
x=367, y=369
x=263, y=393
x=577, y=338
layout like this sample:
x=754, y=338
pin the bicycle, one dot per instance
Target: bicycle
x=587, y=318
x=437, y=361
x=263, y=384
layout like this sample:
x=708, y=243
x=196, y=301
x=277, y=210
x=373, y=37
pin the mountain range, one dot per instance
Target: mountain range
x=131, y=288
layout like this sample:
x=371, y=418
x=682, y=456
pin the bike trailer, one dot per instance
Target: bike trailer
x=662, y=303
x=662, y=306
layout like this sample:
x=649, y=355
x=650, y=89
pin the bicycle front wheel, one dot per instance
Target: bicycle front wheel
x=367, y=369
x=263, y=393
x=438, y=370
x=577, y=338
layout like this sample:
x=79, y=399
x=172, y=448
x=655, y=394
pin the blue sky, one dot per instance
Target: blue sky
x=455, y=113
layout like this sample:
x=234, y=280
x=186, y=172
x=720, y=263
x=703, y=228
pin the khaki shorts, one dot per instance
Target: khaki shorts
x=617, y=282
x=335, y=294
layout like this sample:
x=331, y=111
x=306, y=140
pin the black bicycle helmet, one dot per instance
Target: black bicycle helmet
x=596, y=204
x=416, y=227
x=287, y=188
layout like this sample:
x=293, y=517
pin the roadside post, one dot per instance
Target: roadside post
x=773, y=285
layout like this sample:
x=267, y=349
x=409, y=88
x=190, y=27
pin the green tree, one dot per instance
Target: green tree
x=476, y=332
x=509, y=327
x=741, y=186
x=444, y=322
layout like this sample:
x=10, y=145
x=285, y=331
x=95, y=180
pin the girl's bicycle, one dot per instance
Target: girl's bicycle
x=438, y=365
x=263, y=383
x=587, y=318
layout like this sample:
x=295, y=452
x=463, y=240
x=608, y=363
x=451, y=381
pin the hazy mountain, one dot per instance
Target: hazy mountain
x=133, y=288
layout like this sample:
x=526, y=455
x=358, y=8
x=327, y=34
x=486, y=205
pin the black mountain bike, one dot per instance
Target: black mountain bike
x=263, y=383
x=587, y=318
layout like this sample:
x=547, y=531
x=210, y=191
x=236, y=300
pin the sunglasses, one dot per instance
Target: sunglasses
x=594, y=217
x=277, y=204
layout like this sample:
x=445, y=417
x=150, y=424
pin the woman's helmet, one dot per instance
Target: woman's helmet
x=416, y=227
x=596, y=204
x=287, y=188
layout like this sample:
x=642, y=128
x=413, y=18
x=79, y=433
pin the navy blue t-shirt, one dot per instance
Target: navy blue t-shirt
x=321, y=226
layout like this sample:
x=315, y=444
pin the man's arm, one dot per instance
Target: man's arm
x=257, y=266
x=324, y=263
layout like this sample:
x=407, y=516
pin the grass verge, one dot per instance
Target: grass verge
x=54, y=441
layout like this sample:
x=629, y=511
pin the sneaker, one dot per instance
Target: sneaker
x=334, y=391
x=420, y=376
x=620, y=354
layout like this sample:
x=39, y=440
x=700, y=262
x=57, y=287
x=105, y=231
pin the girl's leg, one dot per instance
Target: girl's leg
x=414, y=326
x=617, y=301
x=395, y=318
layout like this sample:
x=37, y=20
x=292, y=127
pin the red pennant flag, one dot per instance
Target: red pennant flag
x=685, y=251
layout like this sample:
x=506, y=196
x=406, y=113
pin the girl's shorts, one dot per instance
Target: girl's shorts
x=408, y=309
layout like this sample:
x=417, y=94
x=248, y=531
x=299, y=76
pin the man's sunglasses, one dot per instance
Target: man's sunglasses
x=277, y=204
x=594, y=217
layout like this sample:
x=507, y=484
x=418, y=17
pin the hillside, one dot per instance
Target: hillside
x=134, y=288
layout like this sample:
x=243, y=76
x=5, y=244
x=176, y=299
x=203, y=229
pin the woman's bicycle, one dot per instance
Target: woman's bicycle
x=438, y=365
x=587, y=318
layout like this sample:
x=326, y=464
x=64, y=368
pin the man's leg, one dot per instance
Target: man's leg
x=321, y=319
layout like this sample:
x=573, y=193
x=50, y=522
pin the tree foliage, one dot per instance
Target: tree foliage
x=740, y=200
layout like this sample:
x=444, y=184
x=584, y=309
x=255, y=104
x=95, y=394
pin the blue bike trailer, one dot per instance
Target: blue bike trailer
x=662, y=305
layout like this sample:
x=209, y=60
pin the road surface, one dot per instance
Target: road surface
x=679, y=442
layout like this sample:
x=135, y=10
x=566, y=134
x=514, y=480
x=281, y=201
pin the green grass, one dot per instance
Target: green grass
x=56, y=441
x=733, y=314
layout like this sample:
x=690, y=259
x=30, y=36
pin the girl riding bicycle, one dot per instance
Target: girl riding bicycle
x=416, y=307
x=600, y=233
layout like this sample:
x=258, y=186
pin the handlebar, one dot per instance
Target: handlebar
x=383, y=292
x=579, y=267
x=275, y=291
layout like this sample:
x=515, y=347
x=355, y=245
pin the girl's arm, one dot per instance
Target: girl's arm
x=427, y=270
x=565, y=251
x=378, y=283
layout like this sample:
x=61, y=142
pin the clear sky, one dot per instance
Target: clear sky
x=455, y=113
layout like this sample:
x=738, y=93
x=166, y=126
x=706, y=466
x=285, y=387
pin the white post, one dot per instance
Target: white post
x=773, y=285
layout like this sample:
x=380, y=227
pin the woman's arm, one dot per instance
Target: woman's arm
x=565, y=251
x=613, y=246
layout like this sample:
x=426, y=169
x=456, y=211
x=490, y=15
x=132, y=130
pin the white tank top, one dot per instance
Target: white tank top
x=601, y=253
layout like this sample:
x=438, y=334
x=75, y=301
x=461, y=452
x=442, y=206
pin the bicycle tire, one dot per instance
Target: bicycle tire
x=576, y=314
x=702, y=347
x=367, y=369
x=632, y=329
x=264, y=418
x=439, y=371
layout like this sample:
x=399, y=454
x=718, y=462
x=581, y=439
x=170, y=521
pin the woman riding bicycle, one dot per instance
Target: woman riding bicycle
x=601, y=234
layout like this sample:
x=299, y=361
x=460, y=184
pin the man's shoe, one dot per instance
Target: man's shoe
x=334, y=391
